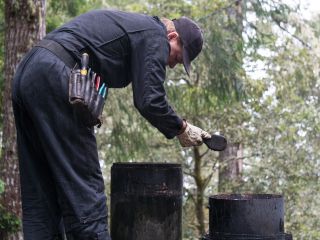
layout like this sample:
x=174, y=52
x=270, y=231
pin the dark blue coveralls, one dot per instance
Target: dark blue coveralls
x=61, y=182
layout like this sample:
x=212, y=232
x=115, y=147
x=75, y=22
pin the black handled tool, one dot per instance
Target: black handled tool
x=84, y=63
x=84, y=72
x=216, y=142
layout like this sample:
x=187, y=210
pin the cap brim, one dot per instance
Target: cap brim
x=186, y=60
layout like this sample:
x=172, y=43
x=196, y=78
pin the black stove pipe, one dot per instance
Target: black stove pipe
x=146, y=201
x=246, y=217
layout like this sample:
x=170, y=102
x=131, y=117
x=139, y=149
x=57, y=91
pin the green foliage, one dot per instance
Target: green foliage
x=223, y=53
x=8, y=221
x=1, y=187
x=59, y=12
x=315, y=26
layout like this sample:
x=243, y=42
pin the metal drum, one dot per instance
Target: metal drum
x=246, y=216
x=146, y=201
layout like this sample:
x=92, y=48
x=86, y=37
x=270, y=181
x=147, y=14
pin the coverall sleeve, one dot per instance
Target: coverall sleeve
x=148, y=61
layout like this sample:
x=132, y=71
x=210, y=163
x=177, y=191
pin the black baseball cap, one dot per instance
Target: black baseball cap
x=191, y=38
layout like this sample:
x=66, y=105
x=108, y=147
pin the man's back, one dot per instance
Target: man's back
x=109, y=37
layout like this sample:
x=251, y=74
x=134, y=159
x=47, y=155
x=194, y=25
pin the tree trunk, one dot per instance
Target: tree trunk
x=201, y=183
x=230, y=167
x=24, y=25
x=199, y=193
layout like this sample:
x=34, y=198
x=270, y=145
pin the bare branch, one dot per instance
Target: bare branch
x=189, y=174
x=207, y=180
x=190, y=194
x=203, y=154
x=215, y=164
x=294, y=36
x=241, y=158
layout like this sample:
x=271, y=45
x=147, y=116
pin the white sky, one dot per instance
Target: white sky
x=314, y=5
x=308, y=6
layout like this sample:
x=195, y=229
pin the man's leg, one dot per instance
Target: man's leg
x=69, y=147
x=41, y=212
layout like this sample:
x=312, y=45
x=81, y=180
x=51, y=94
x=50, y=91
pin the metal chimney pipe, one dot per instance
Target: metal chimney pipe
x=146, y=201
x=246, y=216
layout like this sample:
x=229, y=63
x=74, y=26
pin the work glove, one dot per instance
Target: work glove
x=192, y=135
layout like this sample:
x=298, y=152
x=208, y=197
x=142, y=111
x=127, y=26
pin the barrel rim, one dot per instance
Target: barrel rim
x=245, y=196
x=145, y=165
x=225, y=236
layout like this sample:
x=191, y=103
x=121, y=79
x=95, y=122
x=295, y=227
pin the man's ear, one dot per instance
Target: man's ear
x=172, y=35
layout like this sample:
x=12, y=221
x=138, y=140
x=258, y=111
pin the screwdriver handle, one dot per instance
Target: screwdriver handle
x=84, y=63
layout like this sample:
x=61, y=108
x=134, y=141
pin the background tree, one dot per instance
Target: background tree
x=24, y=25
x=1, y=52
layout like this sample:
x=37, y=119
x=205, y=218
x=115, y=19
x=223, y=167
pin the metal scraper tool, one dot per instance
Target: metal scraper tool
x=216, y=142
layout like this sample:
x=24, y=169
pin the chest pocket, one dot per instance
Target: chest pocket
x=115, y=62
x=116, y=48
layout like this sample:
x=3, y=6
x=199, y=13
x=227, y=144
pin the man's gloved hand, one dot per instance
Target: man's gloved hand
x=192, y=135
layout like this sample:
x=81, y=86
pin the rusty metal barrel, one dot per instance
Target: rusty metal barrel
x=246, y=217
x=146, y=201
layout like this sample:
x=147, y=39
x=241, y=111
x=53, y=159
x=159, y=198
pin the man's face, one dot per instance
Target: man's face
x=175, y=55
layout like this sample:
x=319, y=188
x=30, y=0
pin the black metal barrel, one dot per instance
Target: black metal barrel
x=246, y=216
x=146, y=201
